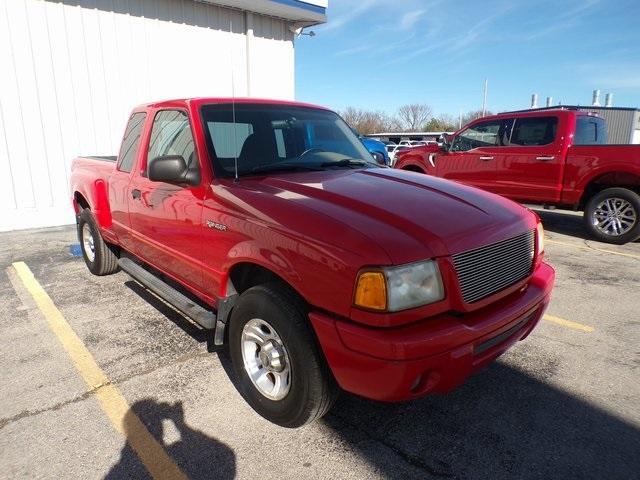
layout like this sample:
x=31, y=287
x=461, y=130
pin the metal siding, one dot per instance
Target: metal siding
x=74, y=69
x=270, y=36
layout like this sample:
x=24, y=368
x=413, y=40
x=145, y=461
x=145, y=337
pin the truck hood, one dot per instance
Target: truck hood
x=410, y=216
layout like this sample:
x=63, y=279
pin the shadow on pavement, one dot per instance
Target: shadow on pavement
x=503, y=424
x=563, y=223
x=198, y=455
x=189, y=328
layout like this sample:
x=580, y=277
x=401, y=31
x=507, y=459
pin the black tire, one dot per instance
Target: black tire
x=590, y=219
x=105, y=260
x=312, y=389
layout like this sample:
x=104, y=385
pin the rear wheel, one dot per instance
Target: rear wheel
x=613, y=215
x=281, y=371
x=98, y=255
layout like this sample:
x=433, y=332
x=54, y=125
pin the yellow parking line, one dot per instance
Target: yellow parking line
x=585, y=247
x=159, y=464
x=568, y=323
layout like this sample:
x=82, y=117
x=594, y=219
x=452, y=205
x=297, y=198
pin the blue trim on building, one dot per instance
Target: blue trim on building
x=302, y=5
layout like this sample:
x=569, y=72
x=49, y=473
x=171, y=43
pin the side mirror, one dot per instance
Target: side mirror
x=171, y=169
x=445, y=144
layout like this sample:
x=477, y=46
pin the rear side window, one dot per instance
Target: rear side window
x=171, y=135
x=130, y=142
x=534, y=131
x=590, y=131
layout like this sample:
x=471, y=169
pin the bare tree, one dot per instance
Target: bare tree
x=366, y=122
x=414, y=116
x=353, y=116
x=442, y=123
x=473, y=115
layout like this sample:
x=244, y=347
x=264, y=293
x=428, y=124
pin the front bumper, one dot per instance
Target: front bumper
x=434, y=355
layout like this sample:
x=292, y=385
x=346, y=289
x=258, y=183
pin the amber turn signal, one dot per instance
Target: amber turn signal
x=371, y=291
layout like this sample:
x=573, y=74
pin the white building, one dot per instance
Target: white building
x=71, y=70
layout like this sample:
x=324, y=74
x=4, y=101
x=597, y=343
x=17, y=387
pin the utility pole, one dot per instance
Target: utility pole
x=460, y=120
x=484, y=98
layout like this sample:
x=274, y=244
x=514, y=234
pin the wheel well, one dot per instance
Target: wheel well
x=413, y=168
x=609, y=180
x=81, y=201
x=246, y=275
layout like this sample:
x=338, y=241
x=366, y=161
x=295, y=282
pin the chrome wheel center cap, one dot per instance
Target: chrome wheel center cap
x=272, y=357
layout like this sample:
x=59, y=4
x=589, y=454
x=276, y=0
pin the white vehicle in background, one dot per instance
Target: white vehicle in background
x=392, y=149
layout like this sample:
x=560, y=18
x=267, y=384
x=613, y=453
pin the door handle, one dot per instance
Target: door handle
x=545, y=159
x=136, y=194
x=486, y=159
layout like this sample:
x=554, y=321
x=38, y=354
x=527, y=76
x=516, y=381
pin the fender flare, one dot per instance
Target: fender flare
x=98, y=198
x=585, y=184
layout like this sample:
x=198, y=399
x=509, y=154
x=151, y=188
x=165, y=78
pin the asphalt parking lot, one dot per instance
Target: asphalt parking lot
x=564, y=403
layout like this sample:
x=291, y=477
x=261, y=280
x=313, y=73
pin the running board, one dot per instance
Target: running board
x=203, y=317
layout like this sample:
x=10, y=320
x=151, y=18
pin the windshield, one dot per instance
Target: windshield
x=267, y=138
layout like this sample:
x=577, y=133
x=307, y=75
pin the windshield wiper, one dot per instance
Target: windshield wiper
x=282, y=167
x=347, y=162
x=308, y=167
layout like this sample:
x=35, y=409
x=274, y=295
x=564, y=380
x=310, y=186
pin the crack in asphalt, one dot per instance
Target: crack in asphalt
x=177, y=361
x=32, y=413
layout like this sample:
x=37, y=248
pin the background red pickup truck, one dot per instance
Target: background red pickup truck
x=269, y=224
x=555, y=157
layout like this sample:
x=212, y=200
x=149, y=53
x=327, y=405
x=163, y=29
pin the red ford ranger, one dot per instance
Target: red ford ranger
x=269, y=224
x=557, y=157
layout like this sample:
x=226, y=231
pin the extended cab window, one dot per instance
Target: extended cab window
x=171, y=135
x=484, y=134
x=130, y=142
x=534, y=131
x=590, y=131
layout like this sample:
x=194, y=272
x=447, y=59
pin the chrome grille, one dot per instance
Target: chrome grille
x=489, y=269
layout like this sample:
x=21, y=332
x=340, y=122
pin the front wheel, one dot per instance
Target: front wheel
x=613, y=215
x=280, y=369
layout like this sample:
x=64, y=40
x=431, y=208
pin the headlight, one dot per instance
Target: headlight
x=399, y=288
x=378, y=157
x=539, y=240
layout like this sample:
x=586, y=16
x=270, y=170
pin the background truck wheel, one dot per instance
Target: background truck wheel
x=280, y=369
x=98, y=256
x=613, y=215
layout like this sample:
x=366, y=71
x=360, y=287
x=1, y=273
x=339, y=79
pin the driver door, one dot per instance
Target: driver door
x=166, y=219
x=473, y=155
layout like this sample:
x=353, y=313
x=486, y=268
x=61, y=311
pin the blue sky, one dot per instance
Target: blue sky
x=379, y=54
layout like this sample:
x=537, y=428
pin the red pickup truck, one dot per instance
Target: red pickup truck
x=268, y=224
x=557, y=157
